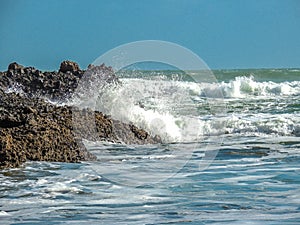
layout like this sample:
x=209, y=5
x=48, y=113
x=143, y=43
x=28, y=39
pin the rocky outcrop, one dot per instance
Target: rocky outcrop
x=68, y=66
x=33, y=129
x=15, y=66
x=54, y=85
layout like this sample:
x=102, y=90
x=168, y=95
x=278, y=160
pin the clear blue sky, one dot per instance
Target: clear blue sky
x=224, y=33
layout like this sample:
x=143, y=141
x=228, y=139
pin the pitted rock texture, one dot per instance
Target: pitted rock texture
x=34, y=129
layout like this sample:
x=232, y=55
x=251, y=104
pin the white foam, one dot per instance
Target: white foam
x=264, y=123
x=157, y=106
x=169, y=108
x=3, y=213
x=60, y=187
x=41, y=181
x=242, y=87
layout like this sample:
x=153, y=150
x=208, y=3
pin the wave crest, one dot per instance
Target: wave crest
x=242, y=87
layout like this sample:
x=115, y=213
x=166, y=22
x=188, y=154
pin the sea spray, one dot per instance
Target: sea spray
x=178, y=110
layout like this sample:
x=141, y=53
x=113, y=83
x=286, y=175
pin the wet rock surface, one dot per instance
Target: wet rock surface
x=31, y=128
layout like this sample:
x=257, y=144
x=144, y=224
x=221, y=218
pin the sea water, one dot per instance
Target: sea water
x=226, y=159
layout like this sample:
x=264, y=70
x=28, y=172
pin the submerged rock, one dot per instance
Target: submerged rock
x=33, y=129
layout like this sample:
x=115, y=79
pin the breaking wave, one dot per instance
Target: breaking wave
x=183, y=111
x=242, y=87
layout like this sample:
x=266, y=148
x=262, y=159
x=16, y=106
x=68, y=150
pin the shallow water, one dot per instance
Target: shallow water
x=252, y=180
x=244, y=170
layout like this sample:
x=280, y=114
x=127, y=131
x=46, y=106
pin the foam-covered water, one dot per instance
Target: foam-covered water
x=254, y=178
x=244, y=87
x=181, y=110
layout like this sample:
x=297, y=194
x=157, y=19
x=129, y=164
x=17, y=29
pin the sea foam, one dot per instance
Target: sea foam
x=170, y=108
x=242, y=87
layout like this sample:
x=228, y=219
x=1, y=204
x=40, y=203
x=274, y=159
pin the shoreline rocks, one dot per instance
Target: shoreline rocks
x=68, y=66
x=56, y=86
x=34, y=129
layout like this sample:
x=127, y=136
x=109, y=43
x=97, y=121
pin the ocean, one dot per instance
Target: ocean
x=230, y=155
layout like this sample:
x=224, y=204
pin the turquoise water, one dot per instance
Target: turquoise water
x=241, y=167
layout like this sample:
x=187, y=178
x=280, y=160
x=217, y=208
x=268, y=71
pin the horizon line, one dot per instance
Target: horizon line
x=170, y=69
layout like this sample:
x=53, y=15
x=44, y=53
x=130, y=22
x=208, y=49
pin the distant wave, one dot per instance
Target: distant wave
x=242, y=87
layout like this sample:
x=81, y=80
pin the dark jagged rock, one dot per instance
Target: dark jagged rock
x=56, y=86
x=68, y=66
x=33, y=129
x=15, y=66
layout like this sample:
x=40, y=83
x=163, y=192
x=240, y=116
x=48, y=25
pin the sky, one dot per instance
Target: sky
x=224, y=33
